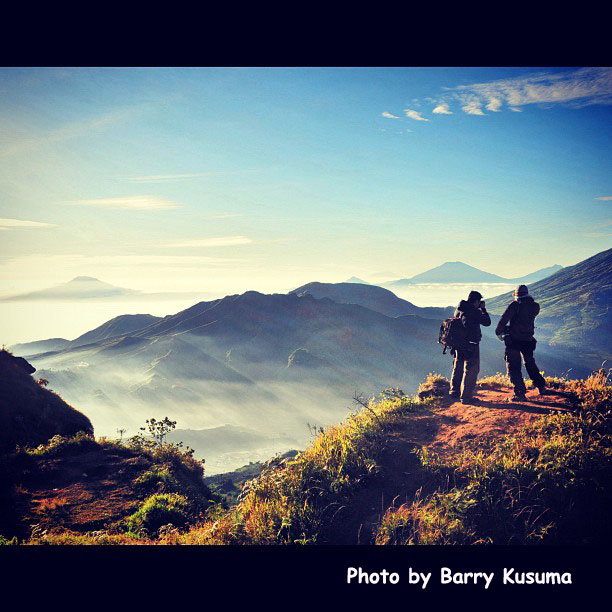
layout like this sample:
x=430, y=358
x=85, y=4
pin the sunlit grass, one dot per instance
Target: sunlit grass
x=294, y=502
x=548, y=482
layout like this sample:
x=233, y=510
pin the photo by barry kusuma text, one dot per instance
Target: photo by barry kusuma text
x=510, y=576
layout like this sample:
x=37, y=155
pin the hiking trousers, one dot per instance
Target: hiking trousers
x=514, y=350
x=465, y=371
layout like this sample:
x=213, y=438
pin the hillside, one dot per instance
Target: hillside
x=39, y=346
x=118, y=326
x=56, y=478
x=372, y=297
x=29, y=413
x=574, y=306
x=404, y=471
x=74, y=486
x=399, y=471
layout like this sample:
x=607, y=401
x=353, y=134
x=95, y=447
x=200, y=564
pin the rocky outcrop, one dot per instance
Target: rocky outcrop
x=29, y=413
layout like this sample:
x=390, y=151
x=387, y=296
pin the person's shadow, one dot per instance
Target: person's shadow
x=547, y=404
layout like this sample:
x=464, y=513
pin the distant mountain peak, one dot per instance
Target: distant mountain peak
x=359, y=281
x=80, y=287
x=460, y=272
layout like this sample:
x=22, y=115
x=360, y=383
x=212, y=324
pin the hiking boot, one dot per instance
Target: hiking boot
x=518, y=398
x=454, y=394
x=471, y=401
x=542, y=391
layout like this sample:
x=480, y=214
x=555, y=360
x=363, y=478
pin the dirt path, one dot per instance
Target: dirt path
x=83, y=492
x=443, y=430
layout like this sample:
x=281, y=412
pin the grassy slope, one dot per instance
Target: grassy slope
x=548, y=482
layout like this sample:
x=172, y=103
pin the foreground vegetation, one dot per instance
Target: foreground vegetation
x=548, y=482
x=294, y=501
x=164, y=481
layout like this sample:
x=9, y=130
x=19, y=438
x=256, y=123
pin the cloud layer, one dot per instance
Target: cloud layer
x=210, y=242
x=576, y=89
x=20, y=224
x=141, y=202
x=163, y=178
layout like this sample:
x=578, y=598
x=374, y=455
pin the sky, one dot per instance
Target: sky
x=221, y=180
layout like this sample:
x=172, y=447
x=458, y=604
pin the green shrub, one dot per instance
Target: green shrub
x=157, y=510
x=62, y=446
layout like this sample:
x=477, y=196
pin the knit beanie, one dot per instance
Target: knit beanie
x=521, y=291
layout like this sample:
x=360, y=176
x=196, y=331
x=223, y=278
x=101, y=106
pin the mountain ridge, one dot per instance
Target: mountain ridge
x=459, y=272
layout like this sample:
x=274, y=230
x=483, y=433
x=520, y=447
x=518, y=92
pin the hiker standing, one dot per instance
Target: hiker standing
x=473, y=314
x=516, y=328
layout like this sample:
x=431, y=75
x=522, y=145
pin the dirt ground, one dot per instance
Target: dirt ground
x=82, y=493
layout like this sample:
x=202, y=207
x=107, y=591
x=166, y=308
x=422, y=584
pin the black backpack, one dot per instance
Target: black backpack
x=453, y=334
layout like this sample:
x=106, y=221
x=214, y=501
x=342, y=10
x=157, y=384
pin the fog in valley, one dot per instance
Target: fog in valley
x=244, y=377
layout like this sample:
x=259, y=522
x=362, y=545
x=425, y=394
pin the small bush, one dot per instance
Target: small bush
x=434, y=385
x=157, y=510
x=497, y=381
x=61, y=446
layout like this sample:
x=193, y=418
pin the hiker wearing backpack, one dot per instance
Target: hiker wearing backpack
x=472, y=314
x=516, y=328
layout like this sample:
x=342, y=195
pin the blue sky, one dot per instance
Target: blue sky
x=224, y=180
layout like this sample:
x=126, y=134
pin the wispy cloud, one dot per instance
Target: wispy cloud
x=390, y=116
x=21, y=224
x=576, y=89
x=141, y=202
x=582, y=87
x=210, y=242
x=494, y=105
x=472, y=106
x=604, y=198
x=597, y=234
x=442, y=109
x=163, y=178
x=412, y=114
x=226, y=216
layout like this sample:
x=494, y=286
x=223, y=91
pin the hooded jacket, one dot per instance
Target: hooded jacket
x=520, y=316
x=472, y=318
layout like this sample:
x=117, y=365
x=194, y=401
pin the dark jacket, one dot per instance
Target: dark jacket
x=520, y=315
x=472, y=318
